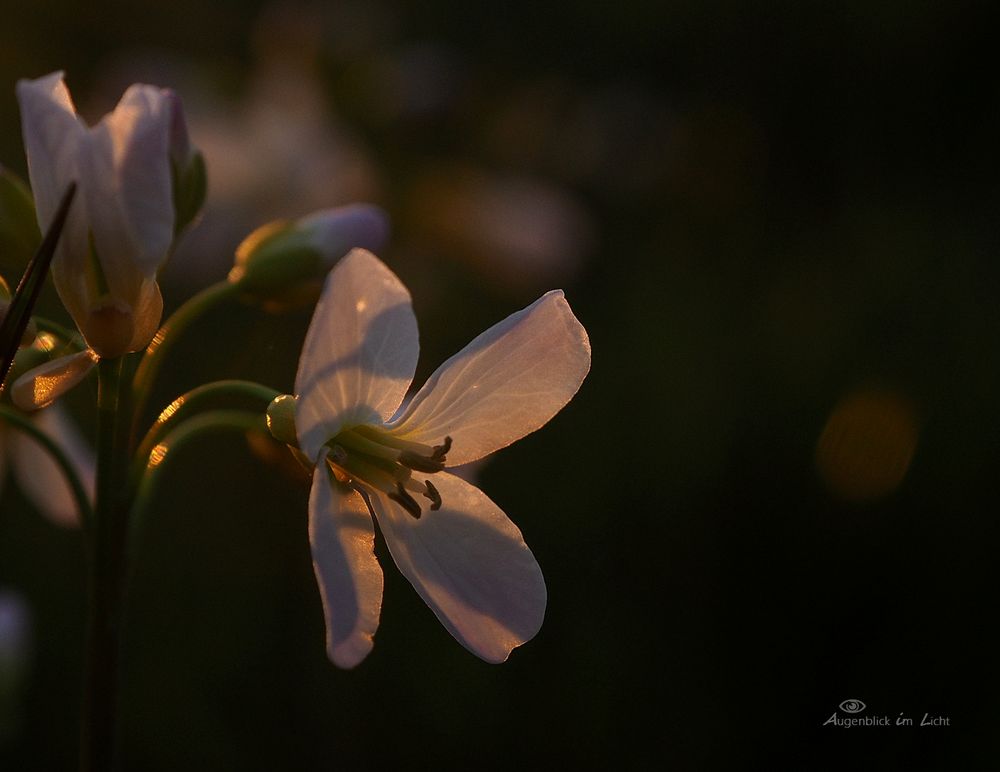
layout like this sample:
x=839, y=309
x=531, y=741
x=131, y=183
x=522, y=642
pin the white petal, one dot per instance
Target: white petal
x=53, y=136
x=359, y=354
x=505, y=384
x=470, y=564
x=40, y=477
x=342, y=536
x=130, y=202
x=147, y=313
x=52, y=133
x=43, y=384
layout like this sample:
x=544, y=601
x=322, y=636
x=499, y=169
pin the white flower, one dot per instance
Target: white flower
x=458, y=549
x=121, y=224
x=37, y=475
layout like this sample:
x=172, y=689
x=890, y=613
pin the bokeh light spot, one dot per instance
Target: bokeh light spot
x=867, y=444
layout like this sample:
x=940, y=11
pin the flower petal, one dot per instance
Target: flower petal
x=52, y=133
x=470, y=564
x=333, y=232
x=342, y=537
x=45, y=383
x=53, y=136
x=126, y=162
x=40, y=477
x=359, y=354
x=146, y=314
x=505, y=384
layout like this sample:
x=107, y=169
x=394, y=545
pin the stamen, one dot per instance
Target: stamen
x=418, y=463
x=338, y=455
x=354, y=440
x=433, y=495
x=441, y=450
x=391, y=441
x=406, y=501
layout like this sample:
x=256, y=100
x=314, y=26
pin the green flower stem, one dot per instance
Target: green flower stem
x=21, y=421
x=107, y=572
x=194, y=401
x=190, y=431
x=169, y=334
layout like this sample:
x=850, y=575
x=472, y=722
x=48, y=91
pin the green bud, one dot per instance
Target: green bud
x=281, y=419
x=273, y=259
x=19, y=234
x=279, y=260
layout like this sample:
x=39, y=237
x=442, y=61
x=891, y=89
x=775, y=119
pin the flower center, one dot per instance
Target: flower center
x=369, y=457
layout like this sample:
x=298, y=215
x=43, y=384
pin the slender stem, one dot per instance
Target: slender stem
x=192, y=402
x=107, y=571
x=168, y=335
x=188, y=432
x=21, y=421
x=63, y=333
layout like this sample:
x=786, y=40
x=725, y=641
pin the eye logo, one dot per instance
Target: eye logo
x=852, y=706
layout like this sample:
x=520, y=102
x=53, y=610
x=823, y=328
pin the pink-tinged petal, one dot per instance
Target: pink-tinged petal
x=41, y=479
x=333, y=232
x=470, y=564
x=45, y=383
x=342, y=536
x=53, y=136
x=147, y=313
x=52, y=133
x=505, y=384
x=129, y=196
x=359, y=354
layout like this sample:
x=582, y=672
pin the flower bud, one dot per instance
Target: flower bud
x=281, y=419
x=120, y=229
x=277, y=258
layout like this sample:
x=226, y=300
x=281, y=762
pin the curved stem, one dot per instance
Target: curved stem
x=168, y=335
x=191, y=430
x=63, y=333
x=21, y=421
x=107, y=571
x=192, y=402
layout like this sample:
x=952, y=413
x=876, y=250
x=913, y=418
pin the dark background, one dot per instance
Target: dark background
x=771, y=218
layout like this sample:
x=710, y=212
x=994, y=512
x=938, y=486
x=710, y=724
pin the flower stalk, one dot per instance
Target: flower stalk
x=106, y=589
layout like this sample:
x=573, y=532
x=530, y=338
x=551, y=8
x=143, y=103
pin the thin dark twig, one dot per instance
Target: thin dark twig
x=21, y=305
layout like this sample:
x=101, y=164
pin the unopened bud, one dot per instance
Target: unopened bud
x=278, y=258
x=281, y=419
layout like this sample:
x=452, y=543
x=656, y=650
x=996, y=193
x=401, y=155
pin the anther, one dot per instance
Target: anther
x=406, y=501
x=433, y=495
x=441, y=450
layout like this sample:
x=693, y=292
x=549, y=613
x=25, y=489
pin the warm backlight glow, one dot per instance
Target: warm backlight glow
x=867, y=444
